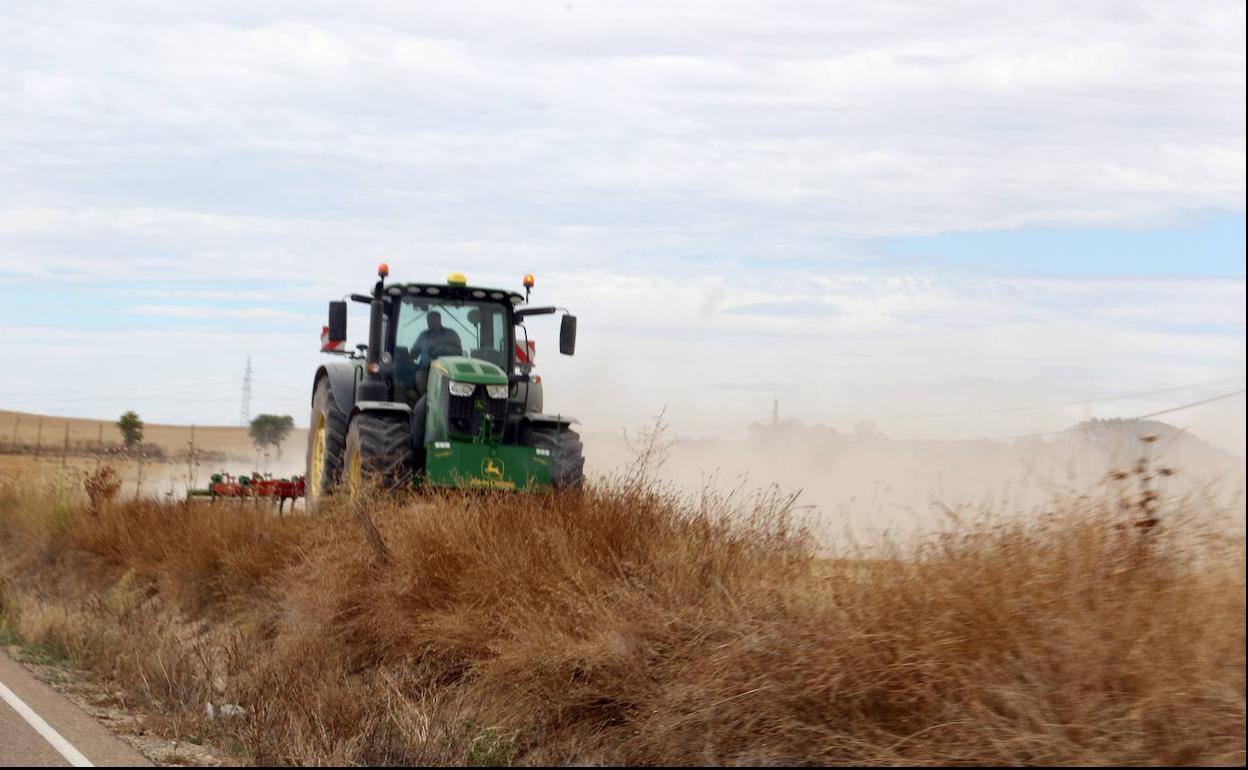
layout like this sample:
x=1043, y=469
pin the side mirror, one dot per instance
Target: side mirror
x=337, y=322
x=567, y=335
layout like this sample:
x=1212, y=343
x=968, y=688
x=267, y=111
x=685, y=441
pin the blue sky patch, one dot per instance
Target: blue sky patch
x=1209, y=246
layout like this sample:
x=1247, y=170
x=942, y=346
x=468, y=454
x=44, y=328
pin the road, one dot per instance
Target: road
x=24, y=699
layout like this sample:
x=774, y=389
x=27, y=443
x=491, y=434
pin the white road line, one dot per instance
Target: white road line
x=54, y=739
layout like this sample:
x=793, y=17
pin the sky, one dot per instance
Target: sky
x=886, y=211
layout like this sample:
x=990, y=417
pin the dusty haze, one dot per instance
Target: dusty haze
x=849, y=483
x=856, y=487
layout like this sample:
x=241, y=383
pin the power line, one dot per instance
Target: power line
x=92, y=393
x=215, y=396
x=1171, y=410
x=180, y=397
x=1189, y=406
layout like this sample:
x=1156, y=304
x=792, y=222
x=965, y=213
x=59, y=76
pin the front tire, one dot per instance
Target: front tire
x=327, y=436
x=378, y=452
x=567, y=454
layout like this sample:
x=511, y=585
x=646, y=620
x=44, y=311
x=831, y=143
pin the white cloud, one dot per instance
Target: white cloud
x=891, y=119
x=201, y=312
x=128, y=221
x=647, y=160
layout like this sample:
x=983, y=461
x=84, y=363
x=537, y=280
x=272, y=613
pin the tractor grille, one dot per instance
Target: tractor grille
x=467, y=413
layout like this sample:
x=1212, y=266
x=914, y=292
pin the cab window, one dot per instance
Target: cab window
x=430, y=328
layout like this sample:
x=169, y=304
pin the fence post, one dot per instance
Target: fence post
x=138, y=482
x=190, y=461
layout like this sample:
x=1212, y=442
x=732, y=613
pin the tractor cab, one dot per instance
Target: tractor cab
x=452, y=321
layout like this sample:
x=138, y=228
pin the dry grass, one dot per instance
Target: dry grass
x=624, y=625
x=233, y=441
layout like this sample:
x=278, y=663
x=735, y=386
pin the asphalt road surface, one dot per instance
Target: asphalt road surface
x=61, y=735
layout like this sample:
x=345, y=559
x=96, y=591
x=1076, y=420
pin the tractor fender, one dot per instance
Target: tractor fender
x=552, y=420
x=342, y=378
x=381, y=406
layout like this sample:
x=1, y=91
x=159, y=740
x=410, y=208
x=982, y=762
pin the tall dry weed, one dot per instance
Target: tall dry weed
x=623, y=624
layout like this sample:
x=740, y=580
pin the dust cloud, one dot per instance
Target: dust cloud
x=854, y=487
x=857, y=487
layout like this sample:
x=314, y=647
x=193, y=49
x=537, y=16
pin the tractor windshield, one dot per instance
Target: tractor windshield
x=428, y=328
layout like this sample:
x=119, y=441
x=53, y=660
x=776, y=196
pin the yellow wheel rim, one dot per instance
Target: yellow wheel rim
x=355, y=475
x=317, y=471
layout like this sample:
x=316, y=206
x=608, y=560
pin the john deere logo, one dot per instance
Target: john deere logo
x=492, y=468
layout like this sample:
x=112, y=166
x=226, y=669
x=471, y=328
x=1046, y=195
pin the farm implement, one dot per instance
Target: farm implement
x=254, y=486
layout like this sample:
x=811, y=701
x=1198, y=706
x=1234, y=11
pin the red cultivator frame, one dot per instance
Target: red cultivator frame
x=225, y=485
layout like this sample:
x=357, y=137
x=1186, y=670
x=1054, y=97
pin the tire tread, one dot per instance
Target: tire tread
x=567, y=453
x=335, y=437
x=385, y=446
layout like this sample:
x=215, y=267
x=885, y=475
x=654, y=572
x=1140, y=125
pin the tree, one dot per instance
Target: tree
x=131, y=428
x=271, y=430
x=868, y=429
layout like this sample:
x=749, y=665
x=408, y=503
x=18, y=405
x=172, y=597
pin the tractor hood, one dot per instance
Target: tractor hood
x=473, y=370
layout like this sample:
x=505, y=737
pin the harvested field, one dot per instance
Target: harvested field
x=625, y=625
x=28, y=431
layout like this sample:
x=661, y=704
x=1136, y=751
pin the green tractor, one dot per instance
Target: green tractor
x=443, y=395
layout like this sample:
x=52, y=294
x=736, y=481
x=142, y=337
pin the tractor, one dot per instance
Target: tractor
x=443, y=395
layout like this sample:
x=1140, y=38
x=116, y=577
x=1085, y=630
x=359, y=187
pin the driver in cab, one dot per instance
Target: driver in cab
x=432, y=343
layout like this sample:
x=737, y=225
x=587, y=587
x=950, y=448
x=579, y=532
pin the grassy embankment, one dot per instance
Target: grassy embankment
x=625, y=625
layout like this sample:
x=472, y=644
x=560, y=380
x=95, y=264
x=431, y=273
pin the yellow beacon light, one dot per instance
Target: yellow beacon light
x=456, y=279
x=528, y=281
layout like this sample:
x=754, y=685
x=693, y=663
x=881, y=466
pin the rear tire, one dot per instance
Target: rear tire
x=329, y=430
x=567, y=454
x=378, y=451
x=418, y=434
